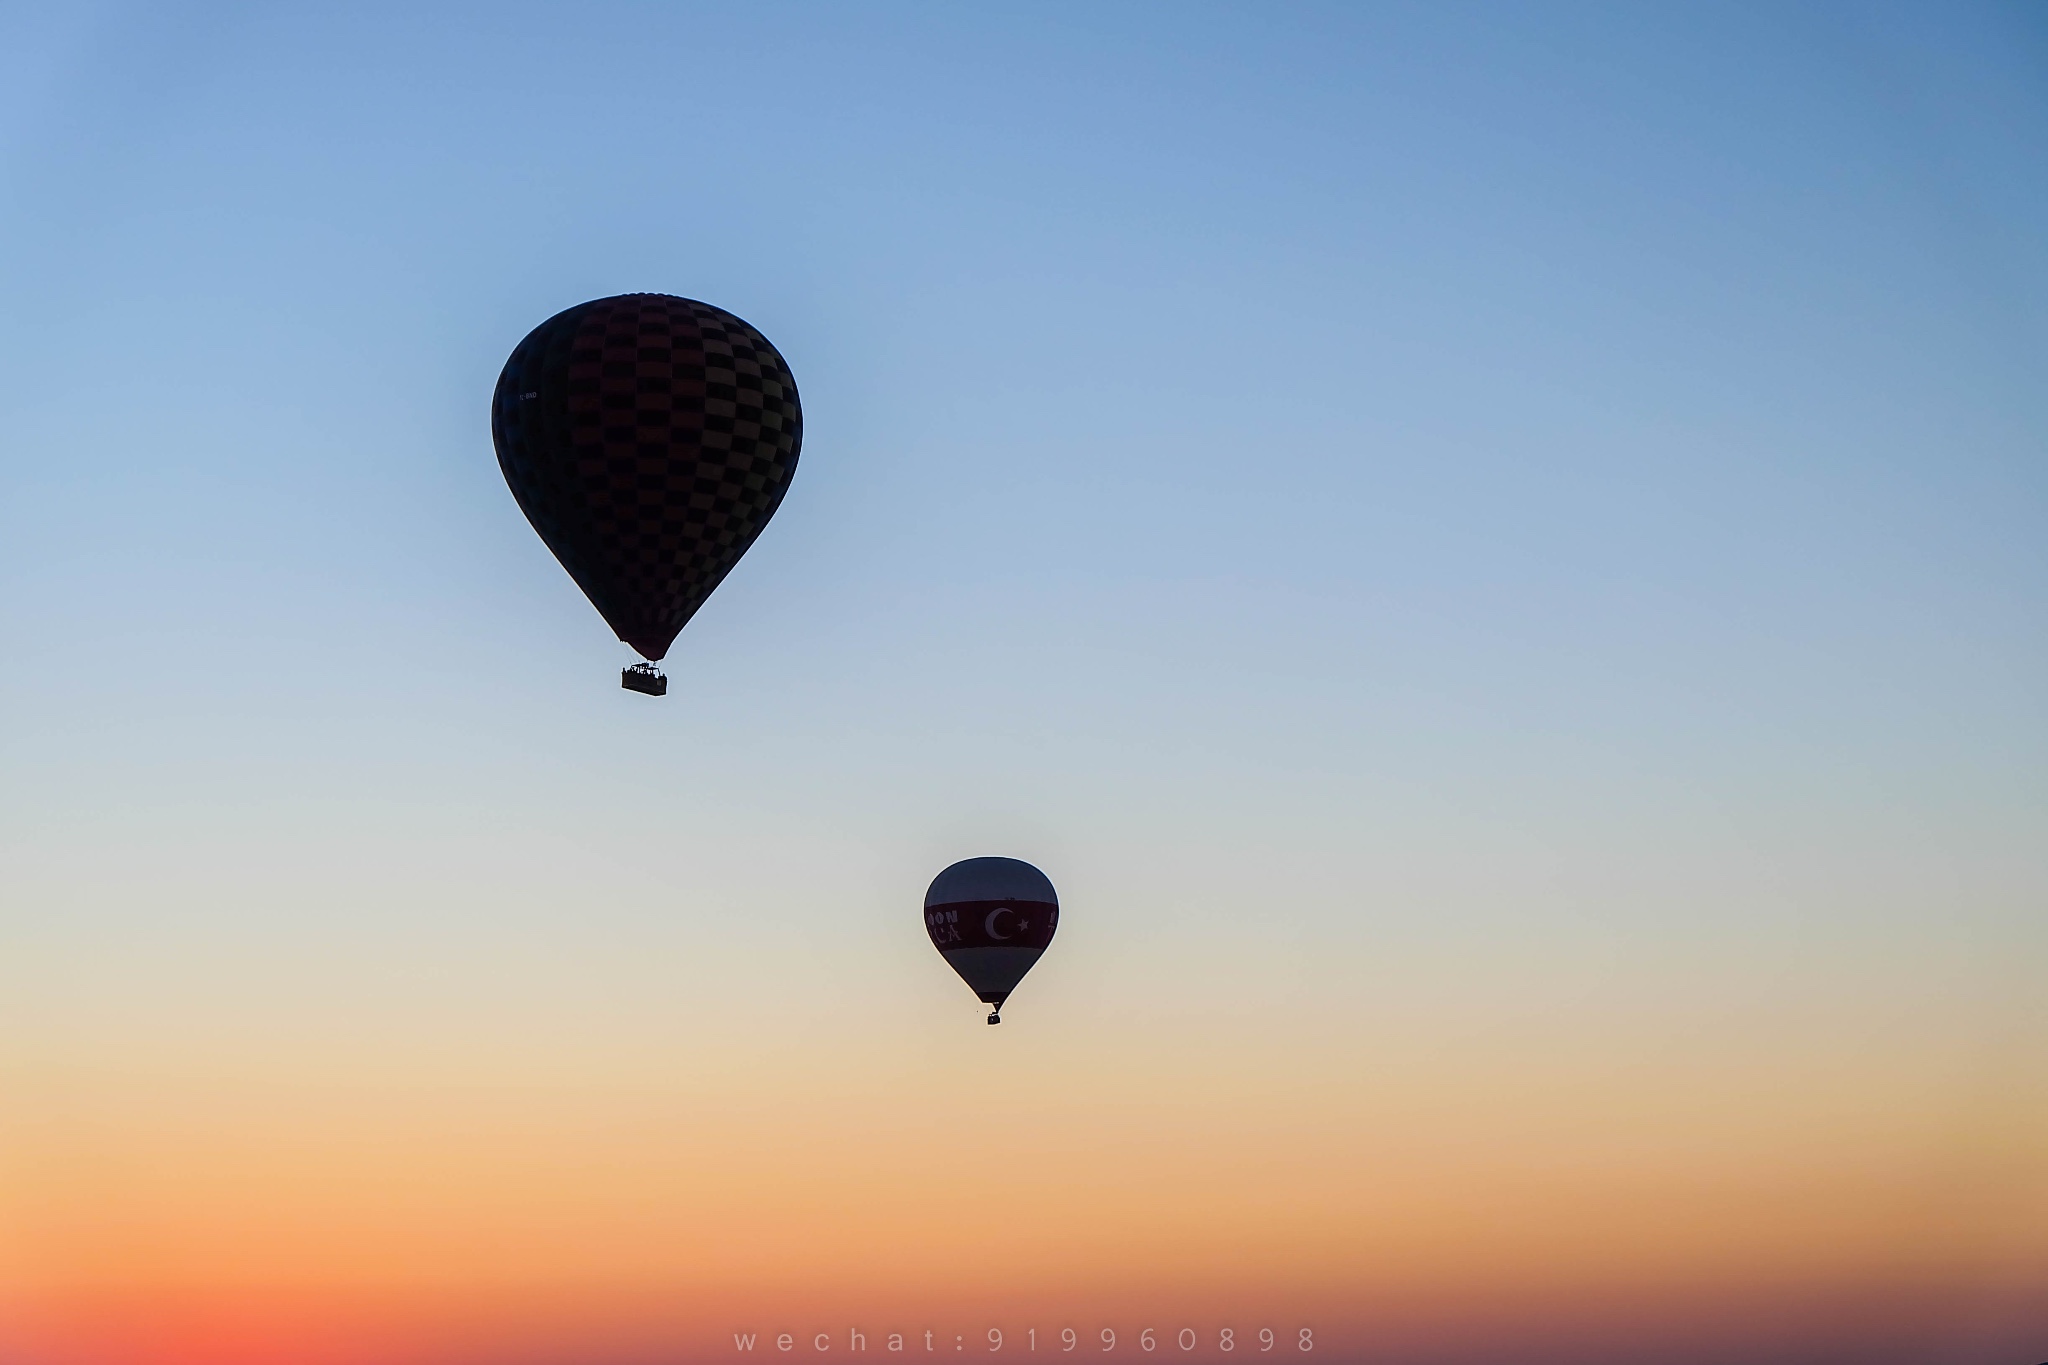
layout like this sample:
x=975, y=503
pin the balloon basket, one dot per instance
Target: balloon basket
x=644, y=678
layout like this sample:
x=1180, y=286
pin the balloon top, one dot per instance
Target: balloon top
x=991, y=879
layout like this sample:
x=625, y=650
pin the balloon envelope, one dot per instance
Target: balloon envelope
x=648, y=439
x=991, y=919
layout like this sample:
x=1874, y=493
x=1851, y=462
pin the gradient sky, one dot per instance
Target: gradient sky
x=1498, y=556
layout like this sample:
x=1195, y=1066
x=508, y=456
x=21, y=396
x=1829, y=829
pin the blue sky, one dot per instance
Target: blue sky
x=1364, y=495
x=1495, y=555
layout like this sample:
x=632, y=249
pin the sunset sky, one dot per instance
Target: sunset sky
x=1497, y=555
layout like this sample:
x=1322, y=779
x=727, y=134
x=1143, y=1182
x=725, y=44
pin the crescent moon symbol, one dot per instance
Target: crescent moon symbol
x=989, y=925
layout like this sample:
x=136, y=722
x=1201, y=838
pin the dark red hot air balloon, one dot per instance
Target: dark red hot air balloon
x=648, y=439
x=991, y=918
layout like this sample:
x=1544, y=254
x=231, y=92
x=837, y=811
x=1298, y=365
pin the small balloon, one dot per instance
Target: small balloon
x=991, y=919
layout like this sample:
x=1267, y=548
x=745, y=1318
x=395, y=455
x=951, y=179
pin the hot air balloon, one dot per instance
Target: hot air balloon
x=648, y=439
x=991, y=918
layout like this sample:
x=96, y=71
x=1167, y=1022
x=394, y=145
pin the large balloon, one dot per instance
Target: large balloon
x=991, y=918
x=648, y=439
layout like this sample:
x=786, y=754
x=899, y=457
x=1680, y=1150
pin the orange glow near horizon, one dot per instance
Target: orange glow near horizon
x=303, y=1220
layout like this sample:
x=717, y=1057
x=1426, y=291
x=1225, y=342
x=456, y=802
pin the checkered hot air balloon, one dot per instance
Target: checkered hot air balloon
x=991, y=919
x=648, y=439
